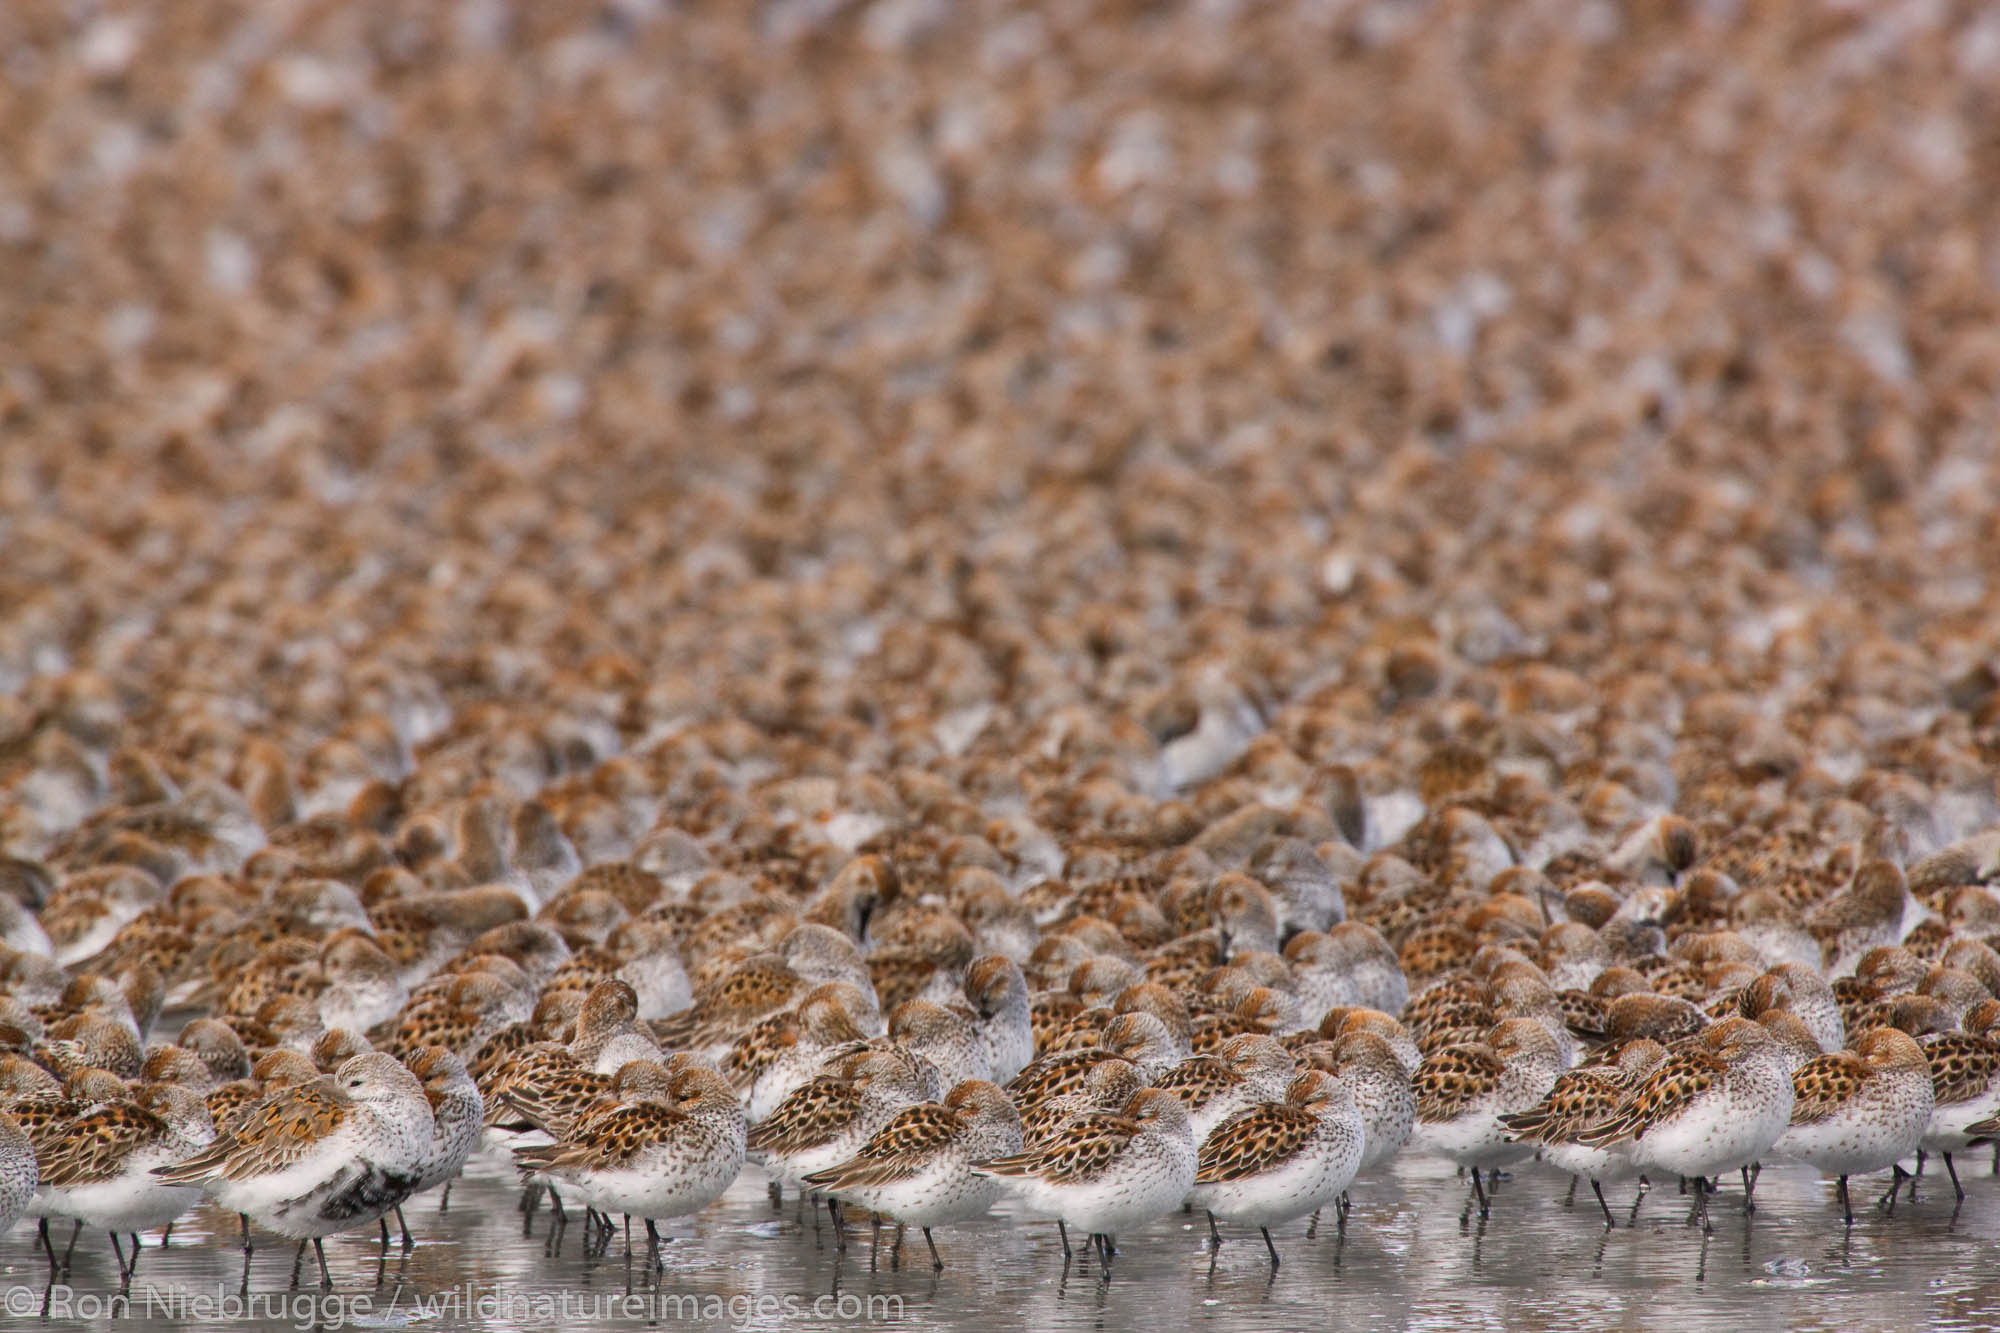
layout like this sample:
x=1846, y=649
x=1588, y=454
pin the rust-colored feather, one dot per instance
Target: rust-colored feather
x=1962, y=1066
x=611, y=1137
x=1197, y=1081
x=1675, y=1085
x=1824, y=1084
x=94, y=1148
x=1253, y=1141
x=1449, y=1081
x=811, y=1115
x=1580, y=1099
x=553, y=1102
x=278, y=1133
x=898, y=1152
x=1085, y=1149
x=1055, y=1074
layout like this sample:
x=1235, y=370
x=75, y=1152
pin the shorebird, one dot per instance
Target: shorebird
x=669, y=1151
x=824, y=1122
x=921, y=1168
x=457, y=1110
x=1861, y=1110
x=1106, y=1172
x=1280, y=1160
x=1715, y=1104
x=1462, y=1091
x=1965, y=1087
x=320, y=1157
x=99, y=1170
x=1579, y=1100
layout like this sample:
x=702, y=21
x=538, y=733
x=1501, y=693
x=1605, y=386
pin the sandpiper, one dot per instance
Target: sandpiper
x=18, y=1171
x=920, y=1168
x=457, y=1110
x=1965, y=1085
x=1380, y=1086
x=1861, y=1110
x=1106, y=1086
x=1580, y=1099
x=1246, y=1071
x=1280, y=1160
x=1462, y=1091
x=1715, y=1104
x=996, y=997
x=1138, y=1037
x=783, y=1051
x=664, y=1154
x=1108, y=1171
x=99, y=1170
x=825, y=1121
x=320, y=1157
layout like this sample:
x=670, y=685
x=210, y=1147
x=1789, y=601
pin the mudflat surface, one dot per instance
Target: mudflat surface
x=1406, y=1261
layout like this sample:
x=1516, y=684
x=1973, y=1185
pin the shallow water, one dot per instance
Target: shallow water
x=1406, y=1261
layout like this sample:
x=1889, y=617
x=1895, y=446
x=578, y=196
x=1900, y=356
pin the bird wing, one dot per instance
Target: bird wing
x=1253, y=1141
x=898, y=1152
x=613, y=1137
x=1680, y=1079
x=94, y=1148
x=1447, y=1082
x=1579, y=1099
x=552, y=1101
x=1962, y=1066
x=280, y=1132
x=1083, y=1150
x=810, y=1115
x=1825, y=1083
x=1197, y=1081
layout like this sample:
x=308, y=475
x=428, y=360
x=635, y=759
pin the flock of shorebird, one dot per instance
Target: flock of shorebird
x=877, y=1043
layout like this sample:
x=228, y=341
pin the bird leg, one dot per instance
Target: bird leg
x=1846, y=1208
x=1269, y=1246
x=937, y=1264
x=1214, y=1236
x=408, y=1244
x=319, y=1249
x=1952, y=1170
x=1888, y=1201
x=1598, y=1190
